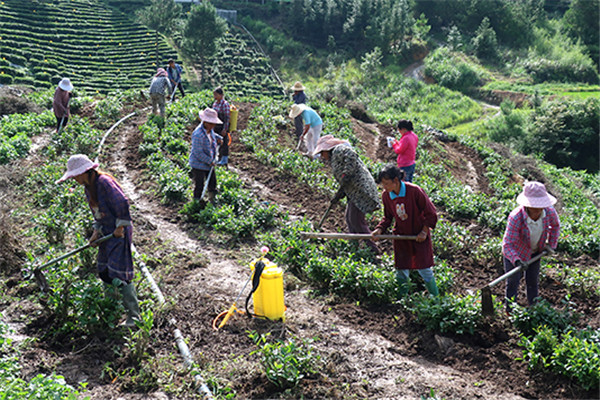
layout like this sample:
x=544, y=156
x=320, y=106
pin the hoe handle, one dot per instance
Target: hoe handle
x=72, y=252
x=515, y=270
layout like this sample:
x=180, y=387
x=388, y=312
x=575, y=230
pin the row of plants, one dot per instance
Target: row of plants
x=62, y=47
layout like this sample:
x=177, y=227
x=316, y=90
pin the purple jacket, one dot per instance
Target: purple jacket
x=60, y=104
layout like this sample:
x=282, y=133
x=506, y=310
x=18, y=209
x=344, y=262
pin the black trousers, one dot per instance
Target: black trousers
x=180, y=86
x=224, y=148
x=64, y=122
x=199, y=176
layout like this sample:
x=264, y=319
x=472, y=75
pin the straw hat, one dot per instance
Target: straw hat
x=297, y=87
x=534, y=195
x=209, y=115
x=297, y=109
x=328, y=142
x=77, y=165
x=65, y=84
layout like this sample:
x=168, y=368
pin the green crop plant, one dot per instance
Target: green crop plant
x=581, y=281
x=447, y=313
x=286, y=363
x=107, y=111
x=526, y=320
x=573, y=354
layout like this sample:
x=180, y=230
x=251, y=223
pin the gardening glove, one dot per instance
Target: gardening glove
x=521, y=264
x=390, y=141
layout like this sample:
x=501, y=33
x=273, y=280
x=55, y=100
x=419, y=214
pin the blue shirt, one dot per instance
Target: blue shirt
x=311, y=118
x=204, y=148
x=402, y=192
x=175, y=73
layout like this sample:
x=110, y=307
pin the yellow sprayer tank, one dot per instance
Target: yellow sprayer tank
x=233, y=117
x=268, y=298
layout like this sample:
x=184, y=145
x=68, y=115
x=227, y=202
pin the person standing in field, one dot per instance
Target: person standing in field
x=223, y=109
x=414, y=214
x=405, y=148
x=532, y=227
x=356, y=183
x=174, y=71
x=110, y=208
x=299, y=97
x=203, y=154
x=159, y=88
x=313, y=126
x=60, y=104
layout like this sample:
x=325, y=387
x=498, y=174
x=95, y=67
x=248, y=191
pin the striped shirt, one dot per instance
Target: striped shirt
x=516, y=244
x=159, y=84
x=223, y=110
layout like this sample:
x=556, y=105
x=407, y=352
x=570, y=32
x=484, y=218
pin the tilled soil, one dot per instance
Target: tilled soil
x=367, y=351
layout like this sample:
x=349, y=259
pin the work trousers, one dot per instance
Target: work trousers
x=531, y=280
x=158, y=102
x=199, y=176
x=299, y=125
x=311, y=138
x=180, y=86
x=408, y=172
x=355, y=220
x=64, y=122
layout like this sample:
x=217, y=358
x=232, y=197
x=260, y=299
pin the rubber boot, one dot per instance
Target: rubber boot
x=223, y=161
x=432, y=288
x=402, y=285
x=130, y=302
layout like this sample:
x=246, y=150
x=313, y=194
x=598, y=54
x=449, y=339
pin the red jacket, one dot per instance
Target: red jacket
x=410, y=213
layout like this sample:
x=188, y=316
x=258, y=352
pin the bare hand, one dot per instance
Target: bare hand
x=93, y=239
x=421, y=236
x=376, y=233
x=119, y=232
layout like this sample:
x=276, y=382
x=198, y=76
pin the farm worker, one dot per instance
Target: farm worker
x=110, y=208
x=159, y=87
x=406, y=148
x=313, y=125
x=204, y=153
x=414, y=214
x=299, y=97
x=355, y=180
x=531, y=228
x=222, y=107
x=175, y=70
x=60, y=104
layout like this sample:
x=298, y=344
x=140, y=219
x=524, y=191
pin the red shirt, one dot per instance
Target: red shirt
x=406, y=148
x=410, y=213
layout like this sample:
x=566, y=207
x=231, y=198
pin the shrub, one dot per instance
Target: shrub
x=448, y=313
x=451, y=70
x=485, y=43
x=528, y=319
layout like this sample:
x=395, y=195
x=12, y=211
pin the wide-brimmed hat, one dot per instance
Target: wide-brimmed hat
x=161, y=72
x=297, y=109
x=209, y=115
x=65, y=84
x=328, y=142
x=298, y=87
x=535, y=195
x=77, y=165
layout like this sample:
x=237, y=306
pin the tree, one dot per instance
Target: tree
x=200, y=33
x=581, y=21
x=485, y=42
x=160, y=16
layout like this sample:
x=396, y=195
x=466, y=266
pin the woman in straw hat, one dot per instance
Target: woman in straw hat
x=299, y=97
x=60, y=104
x=356, y=183
x=313, y=126
x=110, y=208
x=204, y=153
x=532, y=227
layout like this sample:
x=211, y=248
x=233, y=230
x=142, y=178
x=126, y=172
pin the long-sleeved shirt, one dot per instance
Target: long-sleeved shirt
x=111, y=212
x=222, y=108
x=175, y=73
x=411, y=210
x=204, y=148
x=299, y=98
x=406, y=148
x=60, y=103
x=159, y=85
x=516, y=244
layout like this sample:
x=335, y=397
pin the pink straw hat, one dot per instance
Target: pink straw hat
x=328, y=142
x=209, y=115
x=534, y=195
x=77, y=165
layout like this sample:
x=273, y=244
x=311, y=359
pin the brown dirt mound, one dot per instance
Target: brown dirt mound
x=13, y=101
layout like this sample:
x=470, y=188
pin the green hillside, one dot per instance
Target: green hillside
x=99, y=48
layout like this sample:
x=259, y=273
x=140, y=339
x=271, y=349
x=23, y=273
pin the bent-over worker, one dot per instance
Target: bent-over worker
x=355, y=180
x=414, y=214
x=110, y=208
x=532, y=227
x=159, y=88
x=299, y=97
x=313, y=126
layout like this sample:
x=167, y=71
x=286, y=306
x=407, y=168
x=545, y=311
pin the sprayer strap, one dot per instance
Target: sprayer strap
x=258, y=269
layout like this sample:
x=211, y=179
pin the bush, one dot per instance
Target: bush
x=528, y=319
x=451, y=70
x=449, y=313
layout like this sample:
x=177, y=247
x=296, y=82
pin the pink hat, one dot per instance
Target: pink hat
x=161, y=72
x=535, y=196
x=209, y=115
x=328, y=142
x=77, y=165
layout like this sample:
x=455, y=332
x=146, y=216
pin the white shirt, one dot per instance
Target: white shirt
x=535, y=230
